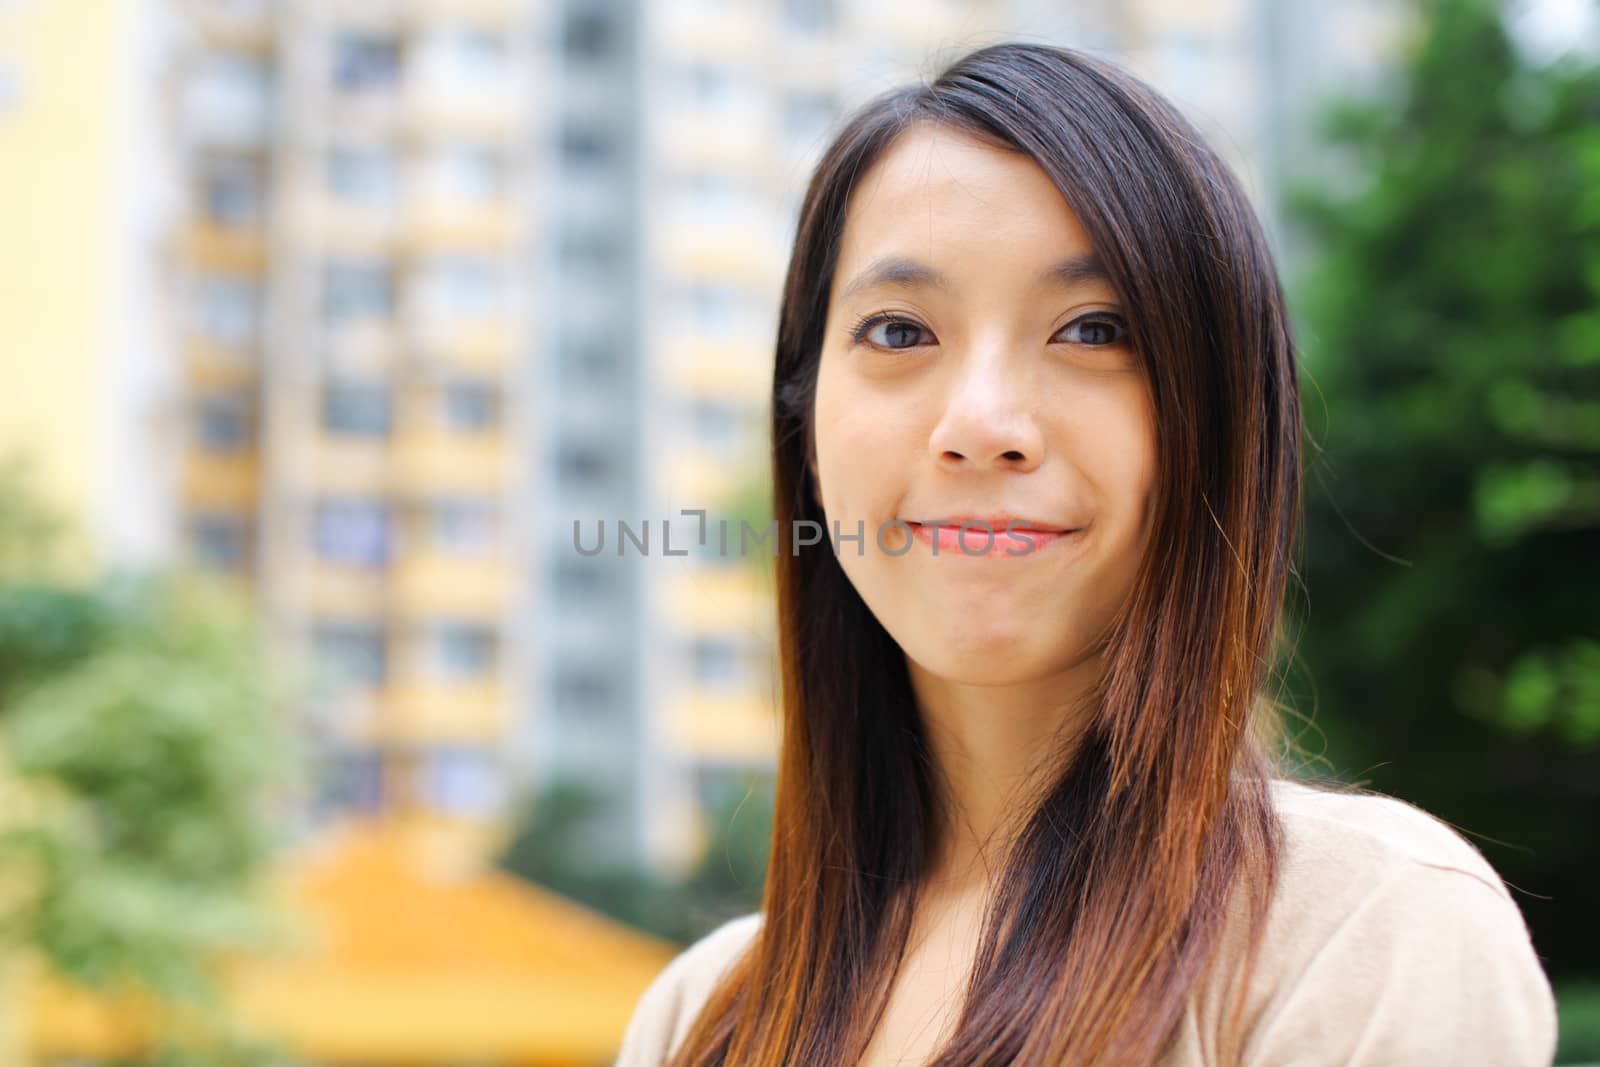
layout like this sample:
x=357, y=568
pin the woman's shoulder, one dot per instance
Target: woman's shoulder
x=670, y=1003
x=1390, y=936
x=1371, y=836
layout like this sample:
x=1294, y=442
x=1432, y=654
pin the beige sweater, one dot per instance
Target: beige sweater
x=1390, y=941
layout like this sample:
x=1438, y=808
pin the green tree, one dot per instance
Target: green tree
x=549, y=848
x=137, y=753
x=1449, y=644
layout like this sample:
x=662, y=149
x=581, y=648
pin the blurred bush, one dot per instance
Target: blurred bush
x=1451, y=327
x=138, y=748
x=549, y=848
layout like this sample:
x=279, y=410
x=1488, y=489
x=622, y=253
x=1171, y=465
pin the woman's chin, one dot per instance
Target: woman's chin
x=978, y=655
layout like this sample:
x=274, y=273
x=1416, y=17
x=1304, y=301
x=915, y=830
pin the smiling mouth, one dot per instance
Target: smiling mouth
x=1021, y=540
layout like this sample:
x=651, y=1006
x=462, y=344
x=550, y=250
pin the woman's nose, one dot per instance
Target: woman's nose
x=988, y=420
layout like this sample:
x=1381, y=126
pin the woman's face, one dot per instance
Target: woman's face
x=976, y=364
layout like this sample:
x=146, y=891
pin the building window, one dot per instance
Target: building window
x=223, y=423
x=715, y=308
x=229, y=309
x=360, y=410
x=582, y=465
x=718, y=663
x=808, y=16
x=352, y=781
x=580, y=688
x=471, y=407
x=467, y=173
x=709, y=195
x=354, y=532
x=468, y=54
x=231, y=189
x=462, y=651
x=363, y=62
x=351, y=652
x=366, y=176
x=358, y=290
x=471, y=288
x=462, y=288
x=716, y=424
x=219, y=541
x=462, y=780
x=710, y=86
x=589, y=362
x=808, y=115
x=579, y=578
x=585, y=146
x=589, y=35
x=589, y=248
x=228, y=99
x=464, y=526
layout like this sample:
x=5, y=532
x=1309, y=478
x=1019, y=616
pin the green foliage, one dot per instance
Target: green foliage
x=750, y=504
x=729, y=880
x=1451, y=333
x=30, y=532
x=139, y=744
x=1579, y=1006
x=154, y=745
x=550, y=849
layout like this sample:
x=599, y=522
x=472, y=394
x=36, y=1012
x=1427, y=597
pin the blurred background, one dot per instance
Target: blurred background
x=322, y=323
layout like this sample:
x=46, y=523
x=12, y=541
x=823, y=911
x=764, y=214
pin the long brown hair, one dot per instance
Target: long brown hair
x=1112, y=902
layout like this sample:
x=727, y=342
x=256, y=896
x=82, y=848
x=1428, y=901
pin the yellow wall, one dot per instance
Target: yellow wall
x=56, y=174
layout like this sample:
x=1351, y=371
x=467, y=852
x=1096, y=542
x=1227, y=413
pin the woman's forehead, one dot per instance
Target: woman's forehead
x=944, y=202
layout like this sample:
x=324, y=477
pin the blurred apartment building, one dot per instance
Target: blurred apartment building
x=453, y=275
x=355, y=293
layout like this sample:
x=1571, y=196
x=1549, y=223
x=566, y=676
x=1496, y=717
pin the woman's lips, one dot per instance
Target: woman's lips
x=975, y=540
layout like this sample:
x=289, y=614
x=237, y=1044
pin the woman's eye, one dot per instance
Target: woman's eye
x=1097, y=332
x=1094, y=331
x=895, y=333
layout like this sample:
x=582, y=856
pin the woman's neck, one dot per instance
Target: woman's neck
x=996, y=748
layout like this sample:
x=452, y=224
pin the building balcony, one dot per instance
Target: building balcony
x=416, y=712
x=441, y=227
x=484, y=347
x=686, y=140
x=434, y=461
x=430, y=585
x=694, y=474
x=407, y=463
x=349, y=464
x=737, y=370
x=225, y=249
x=335, y=590
x=489, y=112
x=485, y=14
x=730, y=34
x=211, y=366
x=696, y=250
x=418, y=585
x=225, y=481
x=742, y=728
x=365, y=345
x=232, y=26
x=715, y=598
x=340, y=227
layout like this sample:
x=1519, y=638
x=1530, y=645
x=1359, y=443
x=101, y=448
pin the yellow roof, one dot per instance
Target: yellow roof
x=406, y=963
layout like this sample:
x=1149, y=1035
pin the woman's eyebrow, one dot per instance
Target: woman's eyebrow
x=909, y=274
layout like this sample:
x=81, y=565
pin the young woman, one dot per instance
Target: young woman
x=1025, y=810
